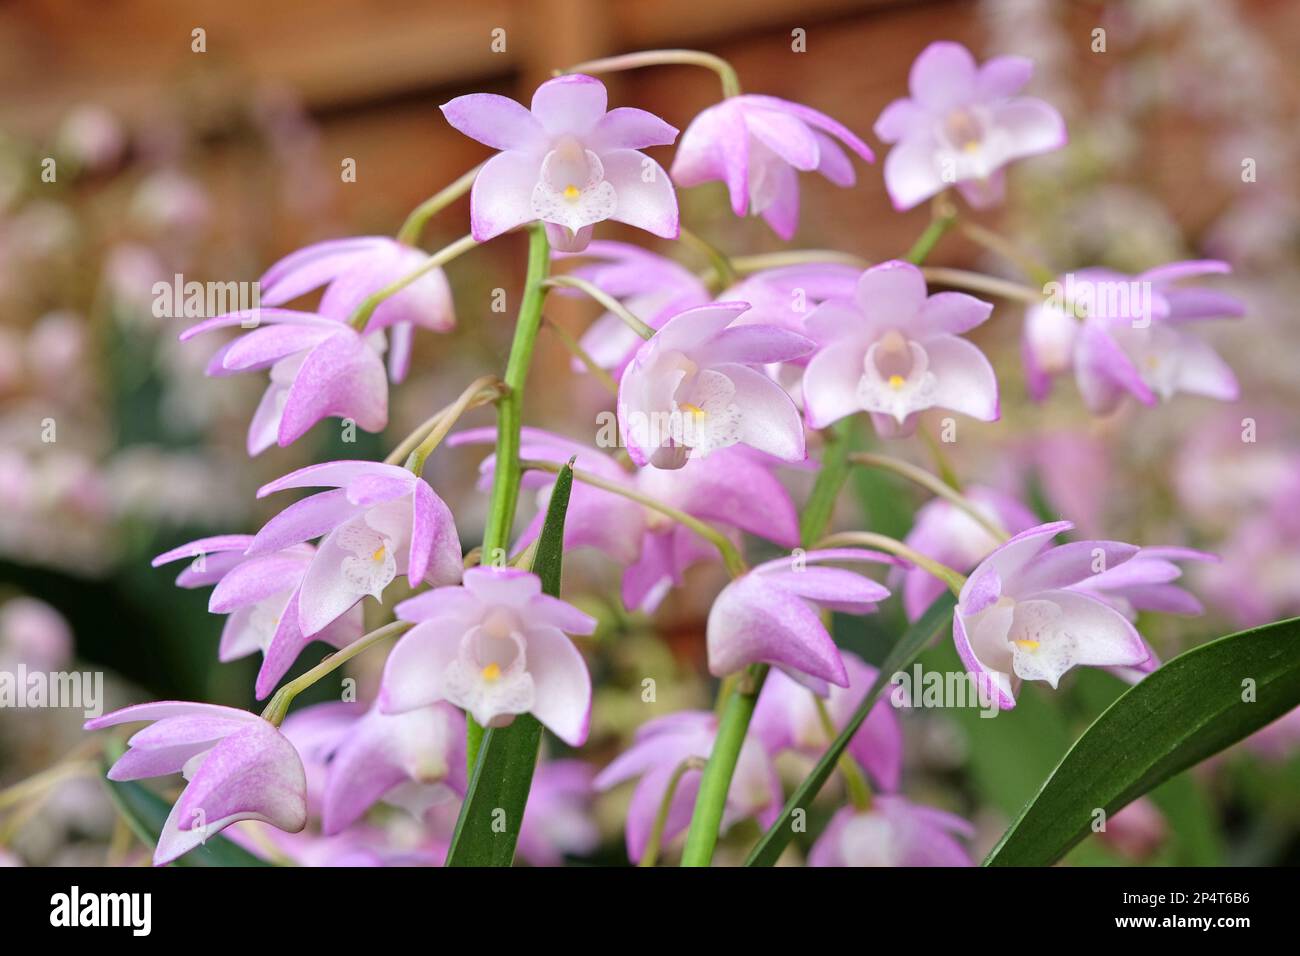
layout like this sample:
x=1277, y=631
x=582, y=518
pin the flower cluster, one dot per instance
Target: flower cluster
x=729, y=388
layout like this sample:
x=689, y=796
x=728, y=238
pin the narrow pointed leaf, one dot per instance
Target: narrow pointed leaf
x=1191, y=708
x=913, y=641
x=488, y=826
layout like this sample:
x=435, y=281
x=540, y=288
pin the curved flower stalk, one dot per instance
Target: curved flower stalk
x=894, y=352
x=693, y=389
x=732, y=489
x=1133, y=338
x=770, y=615
x=650, y=286
x=1032, y=611
x=788, y=717
x=659, y=751
x=758, y=145
x=378, y=521
x=952, y=537
x=961, y=125
x=238, y=767
x=260, y=596
x=414, y=760
x=566, y=162
x=320, y=367
x=496, y=647
x=353, y=269
x=893, y=832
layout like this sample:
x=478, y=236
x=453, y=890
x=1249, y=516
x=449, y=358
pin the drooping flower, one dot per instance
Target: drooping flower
x=320, y=367
x=414, y=760
x=1025, y=613
x=557, y=818
x=239, y=767
x=787, y=718
x=693, y=388
x=354, y=268
x=953, y=538
x=33, y=634
x=961, y=125
x=496, y=647
x=1135, y=831
x=894, y=352
x=1133, y=339
x=770, y=615
x=378, y=521
x=758, y=145
x=566, y=162
x=893, y=832
x=652, y=288
x=260, y=596
x=657, y=753
x=732, y=489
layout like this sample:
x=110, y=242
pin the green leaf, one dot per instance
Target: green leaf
x=1187, y=710
x=145, y=813
x=488, y=826
x=913, y=641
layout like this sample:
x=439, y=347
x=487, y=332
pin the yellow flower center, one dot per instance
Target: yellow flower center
x=491, y=672
x=572, y=192
x=695, y=410
x=896, y=382
x=1029, y=645
x=378, y=554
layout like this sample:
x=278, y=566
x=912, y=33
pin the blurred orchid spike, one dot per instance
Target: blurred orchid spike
x=961, y=125
x=567, y=162
x=893, y=832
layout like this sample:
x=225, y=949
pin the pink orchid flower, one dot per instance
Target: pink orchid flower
x=354, y=268
x=787, y=718
x=693, y=388
x=893, y=832
x=961, y=125
x=1027, y=612
x=378, y=521
x=952, y=537
x=566, y=162
x=413, y=760
x=238, y=767
x=1133, y=339
x=758, y=145
x=496, y=647
x=732, y=489
x=770, y=615
x=893, y=351
x=320, y=367
x=652, y=288
x=557, y=818
x=659, y=749
x=260, y=596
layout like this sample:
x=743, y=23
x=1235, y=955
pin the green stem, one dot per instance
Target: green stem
x=928, y=481
x=632, y=61
x=834, y=471
x=598, y=294
x=574, y=348
x=1008, y=250
x=278, y=706
x=730, y=555
x=854, y=780
x=366, y=309
x=989, y=285
x=651, y=854
x=421, y=214
x=505, y=479
x=481, y=391
x=716, y=780
x=723, y=270
x=869, y=539
x=944, y=216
